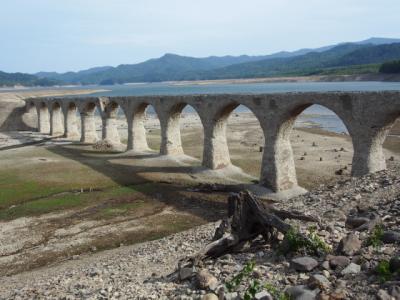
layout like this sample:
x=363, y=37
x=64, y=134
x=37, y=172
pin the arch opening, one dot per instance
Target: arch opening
x=186, y=134
x=321, y=146
x=245, y=139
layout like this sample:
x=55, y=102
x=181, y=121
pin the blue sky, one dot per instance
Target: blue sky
x=69, y=35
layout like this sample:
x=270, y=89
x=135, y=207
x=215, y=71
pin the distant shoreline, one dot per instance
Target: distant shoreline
x=373, y=77
x=288, y=79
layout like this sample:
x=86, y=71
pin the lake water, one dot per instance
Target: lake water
x=313, y=116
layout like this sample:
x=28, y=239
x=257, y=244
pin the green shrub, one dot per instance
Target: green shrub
x=383, y=271
x=311, y=242
x=375, y=239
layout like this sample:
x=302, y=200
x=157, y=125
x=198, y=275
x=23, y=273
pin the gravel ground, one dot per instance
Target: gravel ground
x=347, y=272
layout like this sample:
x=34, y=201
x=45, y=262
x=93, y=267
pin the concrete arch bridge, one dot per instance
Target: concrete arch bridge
x=368, y=117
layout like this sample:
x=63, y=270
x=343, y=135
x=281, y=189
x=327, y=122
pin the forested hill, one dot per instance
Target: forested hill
x=363, y=57
x=15, y=79
x=341, y=59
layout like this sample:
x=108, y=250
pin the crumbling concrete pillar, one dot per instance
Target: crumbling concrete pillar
x=171, y=143
x=215, y=152
x=368, y=152
x=136, y=132
x=43, y=118
x=88, y=127
x=70, y=122
x=110, y=130
x=56, y=122
x=278, y=171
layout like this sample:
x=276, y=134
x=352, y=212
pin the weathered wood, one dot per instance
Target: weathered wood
x=247, y=219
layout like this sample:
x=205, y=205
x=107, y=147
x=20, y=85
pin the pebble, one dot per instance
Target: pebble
x=304, y=263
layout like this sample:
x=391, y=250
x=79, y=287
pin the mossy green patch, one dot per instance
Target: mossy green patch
x=60, y=201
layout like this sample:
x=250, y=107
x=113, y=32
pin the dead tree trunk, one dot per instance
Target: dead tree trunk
x=247, y=219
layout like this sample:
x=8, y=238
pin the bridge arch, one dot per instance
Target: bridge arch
x=171, y=128
x=216, y=151
x=278, y=166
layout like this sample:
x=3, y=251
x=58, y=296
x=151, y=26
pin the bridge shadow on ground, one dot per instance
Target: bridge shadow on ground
x=121, y=169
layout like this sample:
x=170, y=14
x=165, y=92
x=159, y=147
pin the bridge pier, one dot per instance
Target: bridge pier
x=368, y=149
x=43, y=118
x=88, y=128
x=110, y=130
x=70, y=122
x=215, y=152
x=171, y=143
x=135, y=116
x=56, y=123
x=278, y=171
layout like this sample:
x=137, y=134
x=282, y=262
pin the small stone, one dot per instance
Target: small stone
x=326, y=273
x=321, y=159
x=206, y=281
x=304, y=263
x=264, y=295
x=391, y=237
x=325, y=265
x=350, y=244
x=318, y=281
x=232, y=296
x=300, y=292
x=210, y=296
x=338, y=261
x=351, y=269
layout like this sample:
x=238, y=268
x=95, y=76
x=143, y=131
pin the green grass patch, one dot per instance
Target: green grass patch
x=65, y=200
x=14, y=190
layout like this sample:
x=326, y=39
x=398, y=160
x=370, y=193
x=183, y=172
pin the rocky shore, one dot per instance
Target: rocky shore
x=358, y=228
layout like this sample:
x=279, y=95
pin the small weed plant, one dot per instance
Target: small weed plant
x=311, y=243
x=383, y=271
x=375, y=239
x=253, y=285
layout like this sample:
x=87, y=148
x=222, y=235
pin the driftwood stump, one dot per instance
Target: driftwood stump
x=247, y=219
